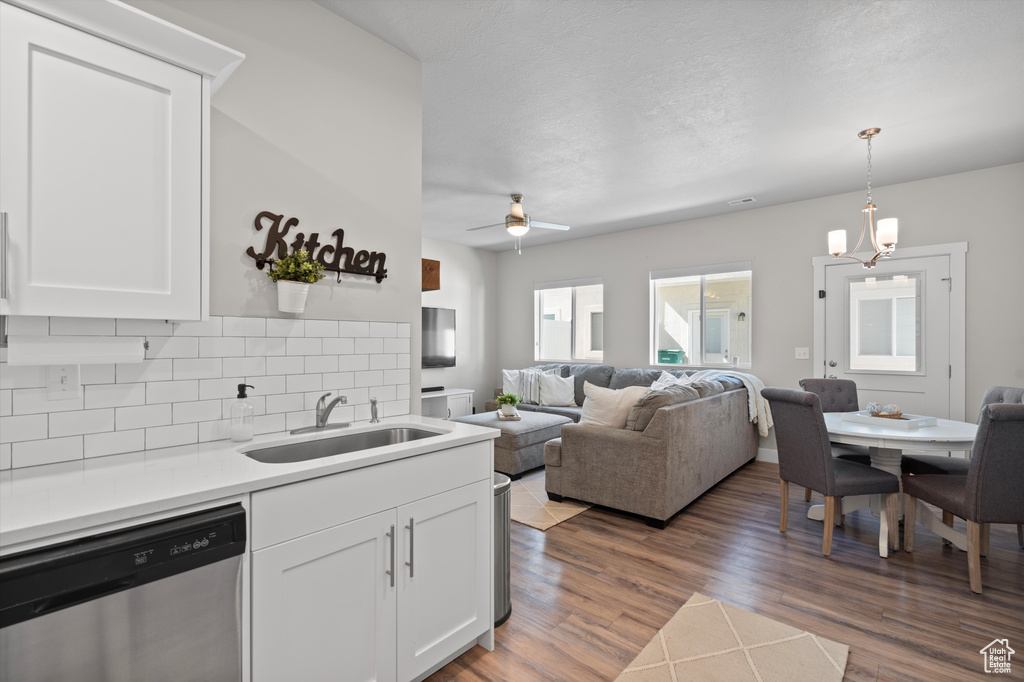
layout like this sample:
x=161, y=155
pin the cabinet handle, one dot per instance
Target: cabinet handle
x=391, y=534
x=449, y=409
x=3, y=254
x=412, y=546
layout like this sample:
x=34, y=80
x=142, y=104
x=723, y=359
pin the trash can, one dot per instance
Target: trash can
x=502, y=548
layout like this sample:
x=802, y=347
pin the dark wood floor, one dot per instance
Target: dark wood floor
x=588, y=594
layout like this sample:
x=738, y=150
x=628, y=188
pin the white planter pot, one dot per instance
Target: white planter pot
x=508, y=410
x=291, y=296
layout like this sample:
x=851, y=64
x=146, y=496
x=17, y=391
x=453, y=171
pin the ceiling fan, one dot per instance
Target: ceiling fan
x=518, y=223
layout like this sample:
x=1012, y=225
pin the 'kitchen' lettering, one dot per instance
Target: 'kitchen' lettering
x=335, y=257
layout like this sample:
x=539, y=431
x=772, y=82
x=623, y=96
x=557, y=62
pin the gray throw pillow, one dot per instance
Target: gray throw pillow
x=706, y=388
x=641, y=414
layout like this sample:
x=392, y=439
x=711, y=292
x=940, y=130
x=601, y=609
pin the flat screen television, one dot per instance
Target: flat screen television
x=438, y=337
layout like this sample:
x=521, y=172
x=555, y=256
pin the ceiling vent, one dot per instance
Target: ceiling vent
x=740, y=202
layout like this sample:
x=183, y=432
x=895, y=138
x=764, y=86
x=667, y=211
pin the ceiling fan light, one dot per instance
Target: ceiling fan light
x=517, y=226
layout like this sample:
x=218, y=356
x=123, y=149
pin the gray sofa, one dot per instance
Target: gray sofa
x=684, y=450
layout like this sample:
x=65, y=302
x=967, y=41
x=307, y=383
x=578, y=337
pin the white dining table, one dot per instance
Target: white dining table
x=886, y=445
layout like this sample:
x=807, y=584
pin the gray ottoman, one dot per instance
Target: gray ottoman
x=521, y=445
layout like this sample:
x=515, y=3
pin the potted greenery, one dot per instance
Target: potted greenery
x=507, y=403
x=294, y=274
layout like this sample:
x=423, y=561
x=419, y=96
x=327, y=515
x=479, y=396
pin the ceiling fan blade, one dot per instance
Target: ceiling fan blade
x=548, y=226
x=484, y=227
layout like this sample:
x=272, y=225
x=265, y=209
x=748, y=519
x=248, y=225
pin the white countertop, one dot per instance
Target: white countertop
x=58, y=499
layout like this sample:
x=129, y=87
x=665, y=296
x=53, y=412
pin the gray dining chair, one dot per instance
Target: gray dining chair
x=838, y=395
x=805, y=458
x=955, y=466
x=991, y=492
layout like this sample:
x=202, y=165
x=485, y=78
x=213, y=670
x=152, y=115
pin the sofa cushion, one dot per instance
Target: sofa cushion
x=643, y=410
x=557, y=391
x=598, y=375
x=622, y=378
x=608, y=407
x=563, y=370
x=706, y=388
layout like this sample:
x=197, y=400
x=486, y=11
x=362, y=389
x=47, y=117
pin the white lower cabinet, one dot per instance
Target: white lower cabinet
x=386, y=595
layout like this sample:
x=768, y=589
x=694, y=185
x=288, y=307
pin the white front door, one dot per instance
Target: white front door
x=888, y=329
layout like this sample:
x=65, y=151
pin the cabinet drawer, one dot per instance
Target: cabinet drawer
x=290, y=511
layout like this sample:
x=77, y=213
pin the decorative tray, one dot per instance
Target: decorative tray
x=507, y=418
x=906, y=421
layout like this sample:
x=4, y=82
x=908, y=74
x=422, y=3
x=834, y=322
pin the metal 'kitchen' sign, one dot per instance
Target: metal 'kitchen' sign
x=335, y=257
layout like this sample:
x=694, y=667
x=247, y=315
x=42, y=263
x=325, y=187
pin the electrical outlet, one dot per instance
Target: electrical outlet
x=63, y=382
x=803, y=353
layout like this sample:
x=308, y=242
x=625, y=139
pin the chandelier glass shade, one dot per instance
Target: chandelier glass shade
x=883, y=235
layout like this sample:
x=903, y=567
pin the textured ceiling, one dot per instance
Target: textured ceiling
x=613, y=114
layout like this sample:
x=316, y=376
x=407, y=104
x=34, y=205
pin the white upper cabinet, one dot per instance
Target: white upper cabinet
x=103, y=188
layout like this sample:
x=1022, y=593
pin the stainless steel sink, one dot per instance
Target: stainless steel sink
x=339, y=445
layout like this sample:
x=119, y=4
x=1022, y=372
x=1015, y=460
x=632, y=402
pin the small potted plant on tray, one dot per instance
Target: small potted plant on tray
x=293, y=274
x=507, y=402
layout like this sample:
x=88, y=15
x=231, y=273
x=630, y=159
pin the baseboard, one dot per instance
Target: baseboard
x=766, y=455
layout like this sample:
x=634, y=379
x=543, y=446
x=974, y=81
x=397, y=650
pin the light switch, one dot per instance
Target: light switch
x=803, y=353
x=63, y=382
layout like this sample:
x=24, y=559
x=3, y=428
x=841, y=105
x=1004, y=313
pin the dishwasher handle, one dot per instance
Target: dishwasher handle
x=82, y=594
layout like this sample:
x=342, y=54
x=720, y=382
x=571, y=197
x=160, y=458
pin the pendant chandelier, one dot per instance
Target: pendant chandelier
x=883, y=237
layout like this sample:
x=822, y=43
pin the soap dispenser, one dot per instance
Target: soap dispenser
x=241, y=416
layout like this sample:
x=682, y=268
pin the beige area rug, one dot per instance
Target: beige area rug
x=531, y=506
x=710, y=640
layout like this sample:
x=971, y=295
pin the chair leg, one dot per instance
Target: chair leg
x=985, y=528
x=830, y=511
x=974, y=555
x=807, y=494
x=784, y=511
x=947, y=518
x=892, y=511
x=838, y=516
x=1020, y=534
x=909, y=521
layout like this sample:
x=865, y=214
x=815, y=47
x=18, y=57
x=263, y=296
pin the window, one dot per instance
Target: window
x=701, y=315
x=885, y=319
x=569, y=320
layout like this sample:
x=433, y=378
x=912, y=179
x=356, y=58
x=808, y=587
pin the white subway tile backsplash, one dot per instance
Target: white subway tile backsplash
x=222, y=347
x=35, y=452
x=143, y=416
x=184, y=390
x=114, y=443
x=82, y=326
x=321, y=328
x=27, y=427
x=34, y=401
x=26, y=325
x=169, y=436
x=383, y=329
x=265, y=347
x=171, y=391
x=210, y=327
x=245, y=367
x=147, y=370
x=197, y=368
x=285, y=365
x=245, y=326
x=142, y=328
x=173, y=347
x=305, y=346
x=81, y=422
x=369, y=345
x=279, y=327
x=353, y=329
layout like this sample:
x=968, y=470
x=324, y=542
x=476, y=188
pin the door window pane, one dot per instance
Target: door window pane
x=874, y=327
x=906, y=327
x=885, y=323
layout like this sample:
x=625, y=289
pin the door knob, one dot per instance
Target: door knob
x=831, y=376
x=831, y=363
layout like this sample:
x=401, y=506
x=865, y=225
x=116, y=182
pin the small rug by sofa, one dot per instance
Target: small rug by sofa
x=710, y=640
x=531, y=506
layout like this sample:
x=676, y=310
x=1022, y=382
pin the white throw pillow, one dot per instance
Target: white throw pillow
x=666, y=380
x=609, y=407
x=556, y=391
x=525, y=383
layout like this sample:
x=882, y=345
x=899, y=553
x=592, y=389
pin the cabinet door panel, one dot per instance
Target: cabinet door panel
x=323, y=606
x=460, y=405
x=101, y=175
x=446, y=602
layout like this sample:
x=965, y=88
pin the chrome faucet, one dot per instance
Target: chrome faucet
x=373, y=411
x=324, y=411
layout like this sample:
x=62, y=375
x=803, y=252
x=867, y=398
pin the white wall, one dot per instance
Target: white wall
x=469, y=284
x=323, y=122
x=984, y=208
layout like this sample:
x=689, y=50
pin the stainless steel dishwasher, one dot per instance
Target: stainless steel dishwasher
x=155, y=602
